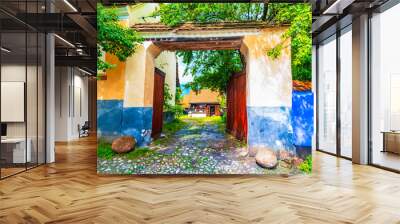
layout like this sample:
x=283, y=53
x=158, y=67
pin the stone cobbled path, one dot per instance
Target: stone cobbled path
x=200, y=147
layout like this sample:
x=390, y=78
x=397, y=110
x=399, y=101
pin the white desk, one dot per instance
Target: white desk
x=19, y=149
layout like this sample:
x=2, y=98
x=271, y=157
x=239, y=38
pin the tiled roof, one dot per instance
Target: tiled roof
x=204, y=96
x=301, y=86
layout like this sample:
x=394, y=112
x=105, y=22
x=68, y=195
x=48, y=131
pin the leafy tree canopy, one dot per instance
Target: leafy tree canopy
x=211, y=69
x=112, y=37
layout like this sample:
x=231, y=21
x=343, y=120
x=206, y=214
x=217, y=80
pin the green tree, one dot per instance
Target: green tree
x=113, y=38
x=211, y=69
x=300, y=18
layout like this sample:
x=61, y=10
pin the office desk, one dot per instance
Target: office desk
x=16, y=146
x=391, y=141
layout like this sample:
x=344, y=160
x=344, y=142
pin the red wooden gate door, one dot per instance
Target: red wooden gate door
x=236, y=106
x=158, y=102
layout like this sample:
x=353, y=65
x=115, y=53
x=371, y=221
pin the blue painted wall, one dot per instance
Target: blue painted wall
x=302, y=117
x=114, y=120
x=270, y=127
x=282, y=127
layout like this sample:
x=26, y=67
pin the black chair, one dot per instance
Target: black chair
x=84, y=130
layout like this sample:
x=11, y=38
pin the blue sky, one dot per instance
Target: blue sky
x=183, y=79
x=181, y=69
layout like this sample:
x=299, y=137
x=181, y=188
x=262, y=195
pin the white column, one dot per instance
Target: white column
x=50, y=100
x=360, y=90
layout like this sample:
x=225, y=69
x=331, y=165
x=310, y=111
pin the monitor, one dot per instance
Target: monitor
x=3, y=129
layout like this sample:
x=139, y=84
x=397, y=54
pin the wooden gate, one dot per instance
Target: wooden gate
x=158, y=102
x=236, y=122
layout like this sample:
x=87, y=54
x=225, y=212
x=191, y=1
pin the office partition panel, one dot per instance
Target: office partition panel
x=22, y=77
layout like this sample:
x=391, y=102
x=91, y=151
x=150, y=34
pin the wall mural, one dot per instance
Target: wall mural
x=189, y=95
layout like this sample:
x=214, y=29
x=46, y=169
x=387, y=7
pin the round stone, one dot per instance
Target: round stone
x=266, y=158
x=123, y=144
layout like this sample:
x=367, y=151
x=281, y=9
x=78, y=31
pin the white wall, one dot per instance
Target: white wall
x=71, y=102
x=166, y=62
x=33, y=126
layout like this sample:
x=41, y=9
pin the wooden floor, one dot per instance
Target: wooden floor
x=386, y=159
x=70, y=191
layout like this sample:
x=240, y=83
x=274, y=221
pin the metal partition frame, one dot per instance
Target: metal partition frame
x=39, y=54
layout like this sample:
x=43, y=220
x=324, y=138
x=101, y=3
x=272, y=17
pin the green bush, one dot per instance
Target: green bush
x=177, y=110
x=223, y=117
x=306, y=166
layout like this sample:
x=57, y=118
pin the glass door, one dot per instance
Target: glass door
x=327, y=95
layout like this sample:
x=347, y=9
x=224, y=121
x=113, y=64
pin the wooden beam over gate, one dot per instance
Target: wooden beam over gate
x=222, y=44
x=199, y=31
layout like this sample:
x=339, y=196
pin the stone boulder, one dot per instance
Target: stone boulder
x=123, y=144
x=266, y=158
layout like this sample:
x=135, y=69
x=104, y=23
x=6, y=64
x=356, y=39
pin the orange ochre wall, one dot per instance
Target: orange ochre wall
x=112, y=88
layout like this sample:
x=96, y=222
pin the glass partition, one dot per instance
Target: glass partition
x=14, y=146
x=327, y=95
x=346, y=92
x=385, y=89
x=22, y=88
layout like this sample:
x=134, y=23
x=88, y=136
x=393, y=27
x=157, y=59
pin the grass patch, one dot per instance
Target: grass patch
x=306, y=166
x=169, y=129
x=173, y=126
x=104, y=151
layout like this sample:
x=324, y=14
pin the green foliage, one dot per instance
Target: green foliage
x=169, y=129
x=167, y=98
x=306, y=166
x=275, y=52
x=175, y=14
x=223, y=117
x=222, y=100
x=211, y=69
x=112, y=37
x=300, y=18
x=104, y=150
x=178, y=95
x=173, y=126
x=177, y=110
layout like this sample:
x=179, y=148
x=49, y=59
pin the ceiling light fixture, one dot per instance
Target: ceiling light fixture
x=5, y=50
x=70, y=5
x=337, y=7
x=84, y=71
x=64, y=40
